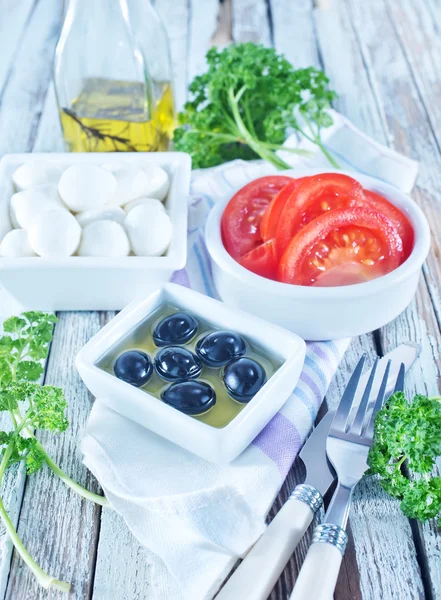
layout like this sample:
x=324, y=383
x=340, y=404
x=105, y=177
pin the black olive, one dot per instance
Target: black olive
x=134, y=367
x=176, y=364
x=175, y=329
x=190, y=397
x=218, y=348
x=243, y=378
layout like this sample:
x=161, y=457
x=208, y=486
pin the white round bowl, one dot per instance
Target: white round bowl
x=323, y=313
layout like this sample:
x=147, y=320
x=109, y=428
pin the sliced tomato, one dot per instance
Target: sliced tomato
x=242, y=215
x=380, y=204
x=271, y=216
x=316, y=195
x=342, y=247
x=262, y=260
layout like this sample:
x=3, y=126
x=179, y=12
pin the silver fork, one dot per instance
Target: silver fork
x=347, y=447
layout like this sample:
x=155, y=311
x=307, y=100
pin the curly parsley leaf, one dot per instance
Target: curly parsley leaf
x=28, y=370
x=23, y=345
x=407, y=434
x=245, y=104
x=48, y=406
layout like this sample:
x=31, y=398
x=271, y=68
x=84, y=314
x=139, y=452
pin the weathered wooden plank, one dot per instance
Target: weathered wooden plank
x=417, y=30
x=49, y=136
x=13, y=22
x=28, y=36
x=406, y=116
x=376, y=558
x=176, y=17
x=223, y=34
x=251, y=23
x=56, y=525
x=13, y=485
x=24, y=95
x=344, y=64
x=294, y=32
x=123, y=569
x=203, y=24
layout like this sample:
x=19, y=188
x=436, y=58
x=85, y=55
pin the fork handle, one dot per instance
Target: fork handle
x=262, y=566
x=319, y=573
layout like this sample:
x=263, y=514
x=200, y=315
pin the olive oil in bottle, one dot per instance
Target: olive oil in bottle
x=112, y=76
x=226, y=408
x=115, y=116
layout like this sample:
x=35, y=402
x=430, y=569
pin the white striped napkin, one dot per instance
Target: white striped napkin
x=197, y=518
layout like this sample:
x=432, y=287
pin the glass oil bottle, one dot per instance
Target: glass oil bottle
x=112, y=78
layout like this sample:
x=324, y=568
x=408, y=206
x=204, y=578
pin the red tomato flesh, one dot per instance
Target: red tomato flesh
x=316, y=195
x=274, y=211
x=380, y=204
x=262, y=260
x=342, y=247
x=240, y=224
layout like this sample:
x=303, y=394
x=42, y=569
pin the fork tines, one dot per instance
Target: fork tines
x=381, y=383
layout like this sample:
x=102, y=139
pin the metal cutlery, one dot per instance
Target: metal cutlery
x=347, y=448
x=259, y=571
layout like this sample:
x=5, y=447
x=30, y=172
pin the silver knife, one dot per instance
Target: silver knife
x=261, y=568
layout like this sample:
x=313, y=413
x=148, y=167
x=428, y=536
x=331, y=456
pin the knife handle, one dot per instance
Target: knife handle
x=319, y=573
x=262, y=566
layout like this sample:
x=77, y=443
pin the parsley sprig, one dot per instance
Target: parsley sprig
x=31, y=407
x=407, y=442
x=243, y=106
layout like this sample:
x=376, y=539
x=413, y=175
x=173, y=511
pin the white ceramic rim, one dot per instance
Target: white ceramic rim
x=135, y=313
x=176, y=257
x=413, y=263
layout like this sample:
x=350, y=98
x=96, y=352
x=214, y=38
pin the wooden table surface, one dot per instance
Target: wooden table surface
x=384, y=59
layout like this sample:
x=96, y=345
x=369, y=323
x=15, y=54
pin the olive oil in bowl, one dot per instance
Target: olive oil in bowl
x=226, y=408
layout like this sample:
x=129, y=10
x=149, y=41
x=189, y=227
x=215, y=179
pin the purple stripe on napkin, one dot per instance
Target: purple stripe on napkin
x=318, y=349
x=280, y=441
x=313, y=386
x=181, y=278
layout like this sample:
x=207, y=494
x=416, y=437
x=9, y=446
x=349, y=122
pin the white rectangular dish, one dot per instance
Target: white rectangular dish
x=89, y=283
x=220, y=445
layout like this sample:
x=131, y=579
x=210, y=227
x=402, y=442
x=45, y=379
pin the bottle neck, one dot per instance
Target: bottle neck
x=98, y=12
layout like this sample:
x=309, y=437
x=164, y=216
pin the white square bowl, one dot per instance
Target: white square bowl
x=216, y=445
x=90, y=283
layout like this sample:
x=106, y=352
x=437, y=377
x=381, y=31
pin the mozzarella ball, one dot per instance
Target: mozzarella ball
x=55, y=233
x=110, y=213
x=158, y=182
x=152, y=202
x=132, y=184
x=26, y=205
x=149, y=230
x=5, y=220
x=85, y=187
x=104, y=238
x=36, y=172
x=16, y=243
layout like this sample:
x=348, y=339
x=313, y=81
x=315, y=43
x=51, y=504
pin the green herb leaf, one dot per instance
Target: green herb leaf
x=49, y=407
x=6, y=375
x=245, y=104
x=14, y=325
x=8, y=400
x=407, y=434
x=29, y=370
